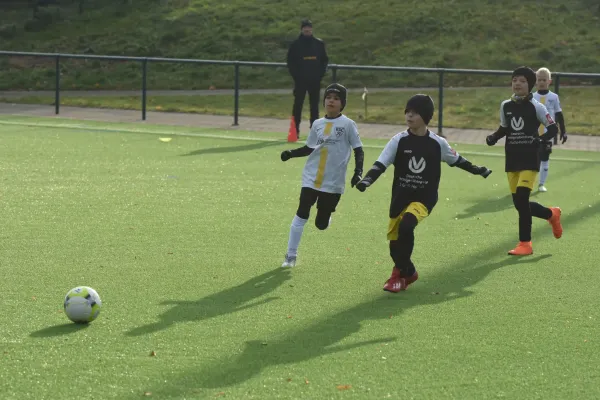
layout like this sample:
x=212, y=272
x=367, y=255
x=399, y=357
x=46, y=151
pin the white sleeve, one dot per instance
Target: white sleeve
x=311, y=140
x=388, y=155
x=558, y=108
x=449, y=155
x=542, y=114
x=353, y=136
x=502, y=117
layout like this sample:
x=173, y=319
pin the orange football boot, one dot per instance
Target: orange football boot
x=522, y=249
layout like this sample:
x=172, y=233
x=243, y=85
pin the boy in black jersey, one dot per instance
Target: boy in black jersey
x=417, y=154
x=520, y=119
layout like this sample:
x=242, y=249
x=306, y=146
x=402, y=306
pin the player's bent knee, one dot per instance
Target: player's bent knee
x=407, y=224
x=322, y=220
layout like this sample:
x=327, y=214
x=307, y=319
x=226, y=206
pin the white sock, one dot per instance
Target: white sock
x=544, y=172
x=295, y=235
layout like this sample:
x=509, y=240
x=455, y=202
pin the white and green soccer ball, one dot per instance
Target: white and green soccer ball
x=82, y=304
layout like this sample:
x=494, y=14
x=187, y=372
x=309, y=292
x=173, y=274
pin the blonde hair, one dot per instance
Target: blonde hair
x=544, y=71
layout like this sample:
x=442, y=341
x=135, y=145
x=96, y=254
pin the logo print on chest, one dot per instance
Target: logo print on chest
x=416, y=166
x=517, y=124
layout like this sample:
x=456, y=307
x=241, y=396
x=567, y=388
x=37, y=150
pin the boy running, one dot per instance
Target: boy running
x=416, y=154
x=328, y=148
x=520, y=119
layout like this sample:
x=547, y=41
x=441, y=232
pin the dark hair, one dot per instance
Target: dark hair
x=305, y=22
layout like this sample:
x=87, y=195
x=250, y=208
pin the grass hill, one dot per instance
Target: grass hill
x=475, y=34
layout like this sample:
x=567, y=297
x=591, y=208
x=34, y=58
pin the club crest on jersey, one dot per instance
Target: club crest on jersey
x=517, y=124
x=416, y=166
x=320, y=141
x=339, y=131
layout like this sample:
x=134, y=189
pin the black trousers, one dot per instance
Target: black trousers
x=300, y=89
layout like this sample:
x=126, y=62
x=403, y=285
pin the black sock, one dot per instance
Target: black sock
x=539, y=211
x=521, y=202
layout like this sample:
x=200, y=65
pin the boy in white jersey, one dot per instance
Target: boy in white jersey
x=329, y=146
x=552, y=103
x=416, y=155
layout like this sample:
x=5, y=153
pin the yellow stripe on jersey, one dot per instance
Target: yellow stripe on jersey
x=323, y=157
x=541, y=128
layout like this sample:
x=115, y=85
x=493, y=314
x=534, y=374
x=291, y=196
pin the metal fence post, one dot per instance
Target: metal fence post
x=441, y=103
x=236, y=94
x=57, y=87
x=333, y=74
x=556, y=83
x=144, y=85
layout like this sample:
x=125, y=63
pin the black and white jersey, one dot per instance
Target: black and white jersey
x=417, y=168
x=522, y=120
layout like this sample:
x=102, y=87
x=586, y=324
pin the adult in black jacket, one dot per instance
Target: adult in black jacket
x=307, y=62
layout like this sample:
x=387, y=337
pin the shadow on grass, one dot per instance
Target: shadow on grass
x=227, y=301
x=59, y=330
x=485, y=205
x=234, y=149
x=324, y=336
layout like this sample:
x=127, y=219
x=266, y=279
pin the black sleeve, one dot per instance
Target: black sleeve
x=359, y=158
x=500, y=133
x=375, y=172
x=551, y=131
x=560, y=119
x=292, y=60
x=466, y=165
x=324, y=60
x=301, y=151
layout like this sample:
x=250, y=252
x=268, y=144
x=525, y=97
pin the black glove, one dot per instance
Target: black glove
x=363, y=184
x=491, y=140
x=286, y=155
x=483, y=171
x=356, y=178
x=563, y=137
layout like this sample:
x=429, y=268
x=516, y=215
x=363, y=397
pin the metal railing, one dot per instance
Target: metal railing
x=334, y=68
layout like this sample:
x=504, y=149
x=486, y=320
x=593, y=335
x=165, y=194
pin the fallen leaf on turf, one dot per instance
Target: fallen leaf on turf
x=289, y=316
x=165, y=139
x=33, y=298
x=152, y=353
x=343, y=387
x=306, y=381
x=289, y=379
x=220, y=394
x=147, y=393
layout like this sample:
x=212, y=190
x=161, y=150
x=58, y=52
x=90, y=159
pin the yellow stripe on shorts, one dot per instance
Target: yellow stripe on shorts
x=323, y=157
x=541, y=128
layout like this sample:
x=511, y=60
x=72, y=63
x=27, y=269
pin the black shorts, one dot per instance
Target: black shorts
x=545, y=150
x=326, y=202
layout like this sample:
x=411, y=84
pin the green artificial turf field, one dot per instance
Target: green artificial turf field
x=183, y=242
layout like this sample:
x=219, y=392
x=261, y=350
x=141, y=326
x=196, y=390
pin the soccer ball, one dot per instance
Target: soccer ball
x=82, y=304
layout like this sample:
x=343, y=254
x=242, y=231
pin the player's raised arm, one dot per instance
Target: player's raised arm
x=386, y=158
x=304, y=151
x=453, y=159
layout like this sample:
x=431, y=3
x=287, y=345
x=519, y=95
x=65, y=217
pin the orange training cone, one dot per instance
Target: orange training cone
x=292, y=133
